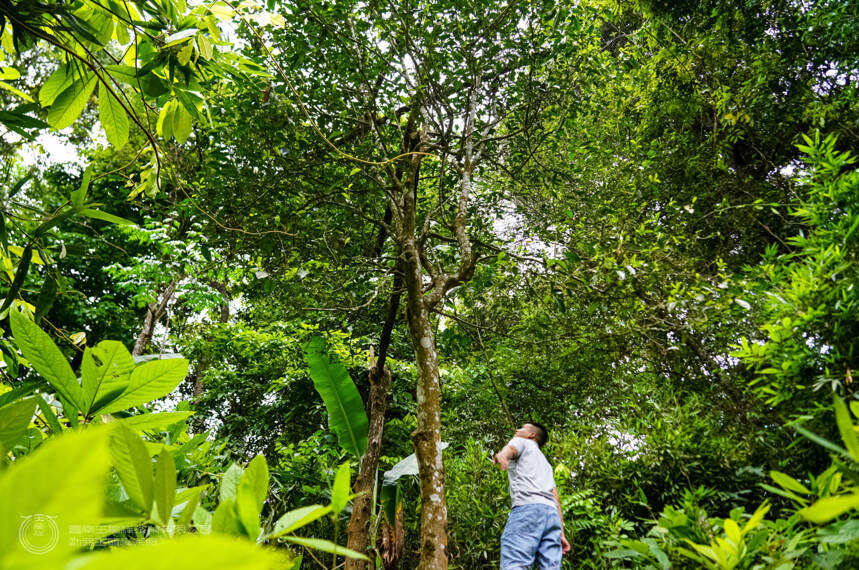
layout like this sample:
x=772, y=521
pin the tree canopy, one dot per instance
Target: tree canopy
x=301, y=241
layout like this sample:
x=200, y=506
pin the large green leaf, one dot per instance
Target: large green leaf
x=828, y=508
x=69, y=105
x=346, y=414
x=113, y=118
x=845, y=426
x=156, y=421
x=58, y=82
x=133, y=465
x=48, y=497
x=45, y=357
x=341, y=492
x=149, y=381
x=108, y=378
x=165, y=485
x=14, y=419
x=212, y=552
x=326, y=546
x=230, y=483
x=295, y=519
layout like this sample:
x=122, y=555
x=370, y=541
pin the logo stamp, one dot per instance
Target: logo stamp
x=38, y=534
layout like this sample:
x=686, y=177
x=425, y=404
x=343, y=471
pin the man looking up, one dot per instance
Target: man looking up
x=535, y=527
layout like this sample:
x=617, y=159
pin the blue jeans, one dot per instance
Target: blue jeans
x=533, y=532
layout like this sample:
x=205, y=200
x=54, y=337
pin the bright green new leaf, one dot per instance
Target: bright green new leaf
x=295, y=519
x=165, y=485
x=106, y=379
x=230, y=483
x=77, y=196
x=185, y=53
x=149, y=381
x=845, y=426
x=828, y=508
x=45, y=357
x=205, y=46
x=788, y=482
x=58, y=82
x=346, y=414
x=256, y=476
x=757, y=518
x=213, y=552
x=340, y=491
x=156, y=421
x=14, y=419
x=47, y=495
x=225, y=520
x=246, y=506
x=326, y=546
x=164, y=126
x=181, y=124
x=69, y=104
x=732, y=531
x=99, y=215
x=133, y=465
x=113, y=118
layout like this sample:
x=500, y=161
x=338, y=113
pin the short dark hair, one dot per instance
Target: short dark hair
x=542, y=433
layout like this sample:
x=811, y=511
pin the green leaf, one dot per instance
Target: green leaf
x=788, y=482
x=256, y=476
x=295, y=519
x=156, y=421
x=845, y=426
x=133, y=465
x=181, y=124
x=828, y=508
x=185, y=53
x=213, y=552
x=205, y=47
x=58, y=82
x=840, y=533
x=251, y=494
x=165, y=485
x=59, y=487
x=149, y=381
x=230, y=483
x=78, y=196
x=106, y=380
x=46, y=297
x=45, y=357
x=326, y=546
x=247, y=509
x=341, y=491
x=99, y=215
x=225, y=520
x=69, y=105
x=346, y=414
x=113, y=118
x=14, y=419
x=164, y=126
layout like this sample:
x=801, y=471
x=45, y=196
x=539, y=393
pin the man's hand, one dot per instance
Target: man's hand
x=565, y=545
x=501, y=461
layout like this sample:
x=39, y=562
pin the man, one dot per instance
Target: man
x=535, y=527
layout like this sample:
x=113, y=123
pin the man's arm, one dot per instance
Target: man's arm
x=565, y=545
x=503, y=457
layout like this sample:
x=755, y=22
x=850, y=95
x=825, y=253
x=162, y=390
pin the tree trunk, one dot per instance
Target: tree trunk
x=154, y=312
x=427, y=436
x=358, y=530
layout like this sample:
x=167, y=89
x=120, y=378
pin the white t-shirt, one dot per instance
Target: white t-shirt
x=531, y=478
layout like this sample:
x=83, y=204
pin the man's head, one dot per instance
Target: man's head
x=533, y=431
